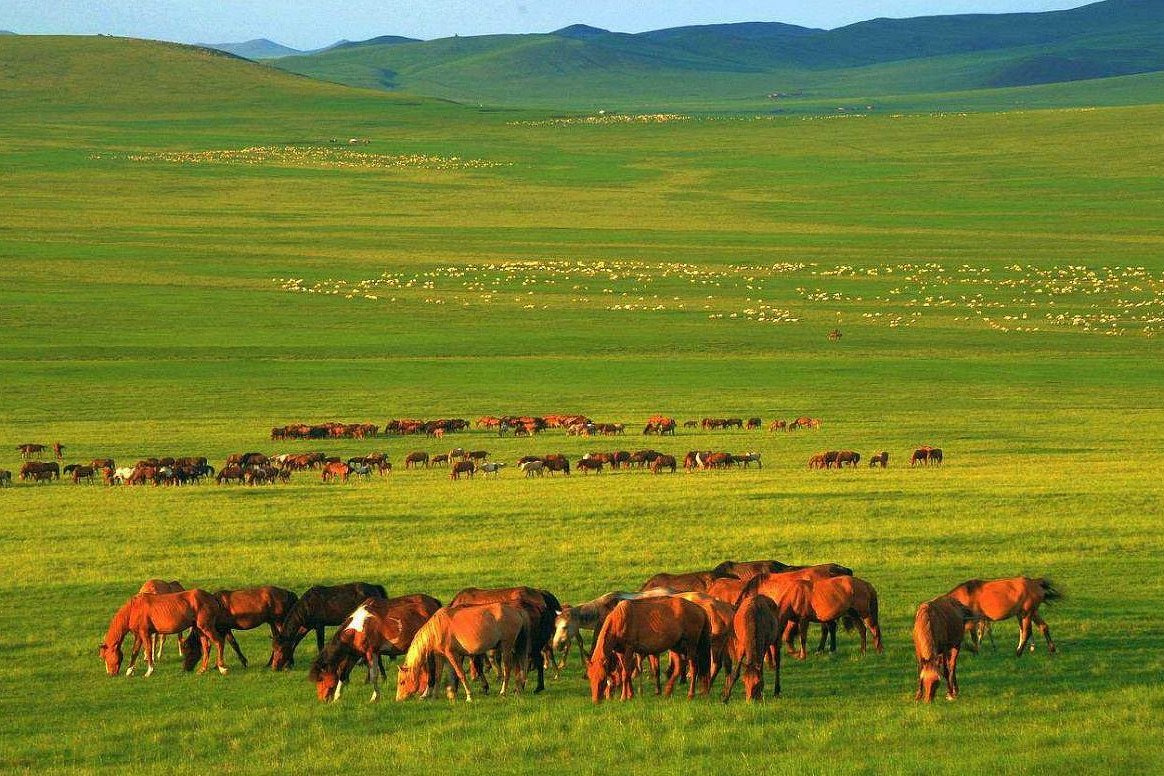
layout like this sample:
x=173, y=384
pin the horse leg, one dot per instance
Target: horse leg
x=319, y=638
x=1024, y=634
x=137, y=643
x=864, y=634
x=234, y=645
x=1045, y=630
x=653, y=662
x=952, y=675
x=673, y=671
x=776, y=671
x=374, y=671
x=875, y=629
x=824, y=636
x=459, y=674
x=730, y=678
x=219, y=663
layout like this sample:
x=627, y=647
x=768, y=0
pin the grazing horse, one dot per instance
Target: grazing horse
x=847, y=598
x=556, y=462
x=663, y=462
x=756, y=630
x=648, y=627
x=377, y=627
x=698, y=581
x=5, y=478
x=147, y=614
x=778, y=425
x=589, y=465
x=1001, y=599
x=792, y=591
x=462, y=467
x=881, y=459
x=500, y=631
x=336, y=470
x=493, y=468
x=938, y=630
x=318, y=607
x=415, y=459
x=247, y=609
x=926, y=455
x=30, y=451
x=570, y=621
x=155, y=586
x=533, y=468
x=850, y=457
x=719, y=619
x=542, y=605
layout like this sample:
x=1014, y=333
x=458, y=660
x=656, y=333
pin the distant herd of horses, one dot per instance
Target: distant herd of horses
x=255, y=468
x=736, y=619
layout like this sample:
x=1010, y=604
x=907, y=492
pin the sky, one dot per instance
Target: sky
x=306, y=25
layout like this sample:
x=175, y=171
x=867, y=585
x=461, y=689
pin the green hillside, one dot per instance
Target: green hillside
x=731, y=66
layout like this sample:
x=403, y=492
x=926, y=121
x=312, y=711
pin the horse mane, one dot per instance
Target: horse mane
x=297, y=614
x=618, y=614
x=119, y=624
x=750, y=588
x=425, y=641
x=1050, y=592
x=328, y=658
x=970, y=586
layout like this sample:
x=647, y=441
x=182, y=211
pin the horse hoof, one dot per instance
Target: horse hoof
x=222, y=670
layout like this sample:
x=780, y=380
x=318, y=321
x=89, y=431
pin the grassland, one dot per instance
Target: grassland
x=148, y=307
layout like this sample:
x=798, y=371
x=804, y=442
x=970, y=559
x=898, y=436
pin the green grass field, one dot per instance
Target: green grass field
x=163, y=290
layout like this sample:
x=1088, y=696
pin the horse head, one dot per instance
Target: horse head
x=929, y=679
x=112, y=656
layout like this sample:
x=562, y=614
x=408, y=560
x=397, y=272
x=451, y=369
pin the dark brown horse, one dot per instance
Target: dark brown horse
x=649, y=627
x=542, y=606
x=1001, y=599
x=498, y=631
x=756, y=630
x=247, y=609
x=318, y=607
x=938, y=630
x=880, y=459
x=147, y=614
x=746, y=569
x=377, y=627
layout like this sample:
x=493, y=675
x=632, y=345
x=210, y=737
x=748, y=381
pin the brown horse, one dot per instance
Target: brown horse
x=416, y=459
x=663, y=462
x=792, y=592
x=377, y=627
x=462, y=467
x=155, y=586
x=542, y=606
x=746, y=569
x=247, y=609
x=1001, y=599
x=938, y=629
x=648, y=627
x=756, y=630
x=880, y=459
x=336, y=470
x=682, y=583
x=318, y=607
x=719, y=619
x=30, y=450
x=570, y=621
x=846, y=598
x=499, y=631
x=147, y=614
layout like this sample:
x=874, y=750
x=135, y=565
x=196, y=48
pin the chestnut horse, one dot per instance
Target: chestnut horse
x=756, y=630
x=541, y=605
x=318, y=607
x=682, y=583
x=649, y=627
x=247, y=609
x=147, y=614
x=377, y=627
x=938, y=629
x=497, y=630
x=1001, y=599
x=154, y=586
x=572, y=620
x=719, y=619
x=846, y=598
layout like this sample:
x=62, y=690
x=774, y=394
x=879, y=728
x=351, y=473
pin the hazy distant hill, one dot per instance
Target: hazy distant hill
x=582, y=66
x=259, y=48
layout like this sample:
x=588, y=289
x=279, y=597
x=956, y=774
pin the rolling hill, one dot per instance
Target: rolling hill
x=731, y=65
x=259, y=48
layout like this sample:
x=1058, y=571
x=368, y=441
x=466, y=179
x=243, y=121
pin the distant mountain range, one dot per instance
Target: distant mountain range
x=582, y=66
x=262, y=48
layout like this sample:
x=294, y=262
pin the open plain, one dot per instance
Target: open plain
x=201, y=254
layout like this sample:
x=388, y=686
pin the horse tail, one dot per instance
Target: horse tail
x=874, y=607
x=522, y=642
x=1050, y=592
x=703, y=651
x=923, y=634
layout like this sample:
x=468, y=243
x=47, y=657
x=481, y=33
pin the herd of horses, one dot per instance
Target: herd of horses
x=256, y=468
x=736, y=619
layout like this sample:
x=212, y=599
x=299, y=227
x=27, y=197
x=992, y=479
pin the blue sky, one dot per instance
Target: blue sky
x=313, y=24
